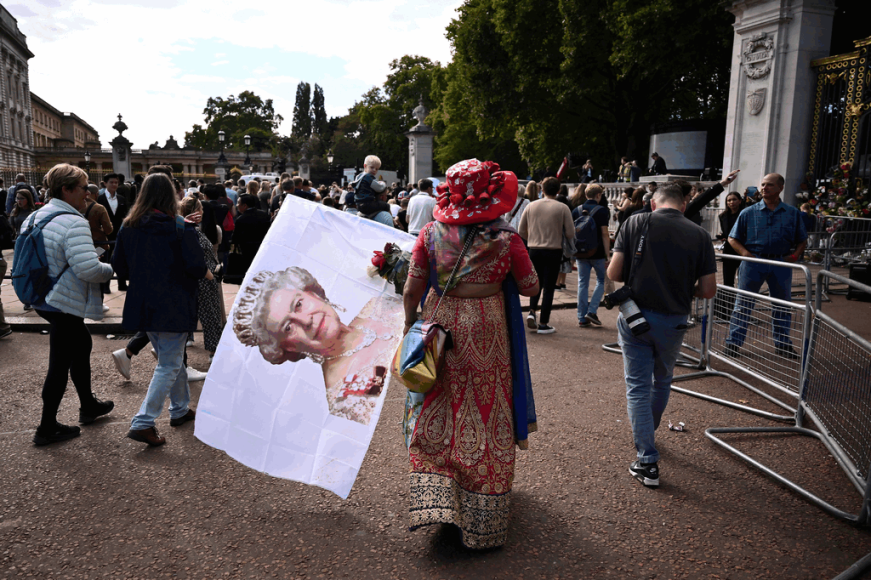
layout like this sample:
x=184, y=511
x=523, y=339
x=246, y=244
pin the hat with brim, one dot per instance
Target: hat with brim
x=475, y=192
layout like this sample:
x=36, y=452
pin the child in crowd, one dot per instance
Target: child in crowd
x=367, y=188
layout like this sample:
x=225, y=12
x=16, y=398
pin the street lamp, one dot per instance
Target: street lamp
x=88, y=162
x=247, y=157
x=330, y=159
x=222, y=160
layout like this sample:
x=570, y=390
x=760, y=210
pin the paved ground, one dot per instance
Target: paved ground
x=102, y=506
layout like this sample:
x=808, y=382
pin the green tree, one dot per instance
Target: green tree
x=302, y=119
x=236, y=116
x=386, y=114
x=591, y=78
x=320, y=125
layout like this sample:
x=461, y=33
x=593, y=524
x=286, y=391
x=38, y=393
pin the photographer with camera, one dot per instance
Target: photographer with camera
x=670, y=260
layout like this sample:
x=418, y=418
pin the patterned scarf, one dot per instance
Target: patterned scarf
x=446, y=242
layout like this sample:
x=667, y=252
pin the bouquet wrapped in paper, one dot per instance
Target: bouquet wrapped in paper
x=392, y=265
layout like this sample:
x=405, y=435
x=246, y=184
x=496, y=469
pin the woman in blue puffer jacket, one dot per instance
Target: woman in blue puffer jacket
x=69, y=249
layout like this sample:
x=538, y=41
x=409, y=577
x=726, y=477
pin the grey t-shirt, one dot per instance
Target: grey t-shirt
x=677, y=254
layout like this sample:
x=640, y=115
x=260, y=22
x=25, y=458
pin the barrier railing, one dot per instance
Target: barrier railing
x=836, y=399
x=768, y=338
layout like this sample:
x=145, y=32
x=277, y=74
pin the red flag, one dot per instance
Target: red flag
x=562, y=169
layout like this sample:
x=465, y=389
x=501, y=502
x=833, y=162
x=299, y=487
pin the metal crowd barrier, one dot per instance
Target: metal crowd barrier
x=836, y=399
x=774, y=332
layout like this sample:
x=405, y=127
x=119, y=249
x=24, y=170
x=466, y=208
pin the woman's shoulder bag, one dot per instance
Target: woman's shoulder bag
x=421, y=355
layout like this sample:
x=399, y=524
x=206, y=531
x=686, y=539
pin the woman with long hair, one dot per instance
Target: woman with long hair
x=73, y=262
x=532, y=191
x=462, y=433
x=728, y=217
x=23, y=207
x=160, y=254
x=578, y=196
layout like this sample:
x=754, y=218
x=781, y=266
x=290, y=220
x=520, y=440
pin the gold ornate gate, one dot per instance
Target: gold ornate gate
x=842, y=123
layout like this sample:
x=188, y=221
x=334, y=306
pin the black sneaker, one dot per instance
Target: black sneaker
x=97, y=408
x=594, y=319
x=733, y=350
x=646, y=473
x=584, y=323
x=531, y=323
x=55, y=435
x=545, y=329
x=787, y=352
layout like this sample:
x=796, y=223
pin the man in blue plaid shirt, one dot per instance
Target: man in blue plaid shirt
x=770, y=230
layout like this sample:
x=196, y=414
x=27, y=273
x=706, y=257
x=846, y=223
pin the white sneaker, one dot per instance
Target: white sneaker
x=105, y=308
x=194, y=375
x=531, y=324
x=189, y=343
x=122, y=363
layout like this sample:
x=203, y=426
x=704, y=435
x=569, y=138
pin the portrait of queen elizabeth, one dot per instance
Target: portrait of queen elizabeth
x=288, y=317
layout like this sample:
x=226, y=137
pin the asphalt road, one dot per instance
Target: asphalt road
x=103, y=506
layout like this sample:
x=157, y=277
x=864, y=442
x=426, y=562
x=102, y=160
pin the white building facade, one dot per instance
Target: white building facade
x=16, y=116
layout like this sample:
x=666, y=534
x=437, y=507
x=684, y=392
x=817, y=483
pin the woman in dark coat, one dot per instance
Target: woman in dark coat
x=728, y=217
x=161, y=256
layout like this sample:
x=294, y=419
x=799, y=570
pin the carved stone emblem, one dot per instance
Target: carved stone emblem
x=755, y=101
x=757, y=55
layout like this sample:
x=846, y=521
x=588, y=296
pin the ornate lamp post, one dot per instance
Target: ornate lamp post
x=88, y=163
x=222, y=160
x=330, y=160
x=247, y=157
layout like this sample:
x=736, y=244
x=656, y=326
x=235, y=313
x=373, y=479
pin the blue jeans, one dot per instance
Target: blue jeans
x=585, y=303
x=170, y=377
x=751, y=277
x=648, y=363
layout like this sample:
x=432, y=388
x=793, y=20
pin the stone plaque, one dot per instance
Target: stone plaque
x=757, y=56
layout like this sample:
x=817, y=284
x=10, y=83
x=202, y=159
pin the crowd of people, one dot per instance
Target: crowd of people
x=174, y=246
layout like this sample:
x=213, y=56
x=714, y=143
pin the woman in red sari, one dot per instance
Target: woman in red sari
x=462, y=437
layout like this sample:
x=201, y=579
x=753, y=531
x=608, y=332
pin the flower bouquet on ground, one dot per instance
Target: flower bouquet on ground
x=392, y=265
x=835, y=205
x=845, y=196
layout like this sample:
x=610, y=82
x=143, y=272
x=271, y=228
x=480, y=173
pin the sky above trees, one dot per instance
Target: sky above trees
x=157, y=62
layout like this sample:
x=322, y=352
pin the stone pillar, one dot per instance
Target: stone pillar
x=770, y=92
x=420, y=142
x=121, y=150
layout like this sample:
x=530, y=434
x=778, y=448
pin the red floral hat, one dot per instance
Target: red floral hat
x=475, y=192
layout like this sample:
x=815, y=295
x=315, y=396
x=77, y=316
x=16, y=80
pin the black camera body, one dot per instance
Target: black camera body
x=617, y=297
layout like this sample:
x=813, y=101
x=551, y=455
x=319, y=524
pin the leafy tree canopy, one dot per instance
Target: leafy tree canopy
x=592, y=77
x=246, y=114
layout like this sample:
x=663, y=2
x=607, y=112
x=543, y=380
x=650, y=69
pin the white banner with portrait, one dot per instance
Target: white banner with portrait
x=300, y=375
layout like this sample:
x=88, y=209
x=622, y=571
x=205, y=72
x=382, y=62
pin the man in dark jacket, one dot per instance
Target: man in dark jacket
x=251, y=227
x=118, y=208
x=659, y=167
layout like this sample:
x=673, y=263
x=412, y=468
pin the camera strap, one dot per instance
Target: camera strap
x=639, y=247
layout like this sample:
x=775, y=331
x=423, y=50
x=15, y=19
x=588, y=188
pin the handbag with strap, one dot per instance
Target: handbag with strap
x=419, y=358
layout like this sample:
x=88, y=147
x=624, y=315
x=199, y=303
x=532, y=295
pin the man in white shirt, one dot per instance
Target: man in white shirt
x=420, y=207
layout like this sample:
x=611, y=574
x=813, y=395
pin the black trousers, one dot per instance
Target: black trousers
x=69, y=356
x=546, y=263
x=723, y=305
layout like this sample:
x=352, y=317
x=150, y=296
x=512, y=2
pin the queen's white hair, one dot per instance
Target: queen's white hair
x=249, y=318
